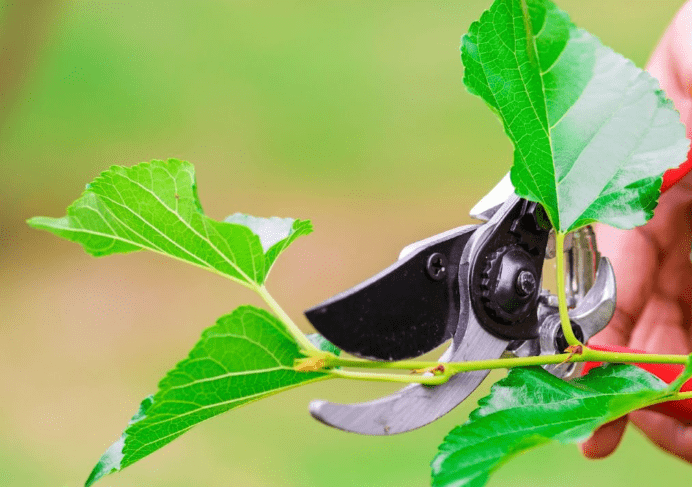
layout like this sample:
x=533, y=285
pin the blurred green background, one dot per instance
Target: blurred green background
x=349, y=113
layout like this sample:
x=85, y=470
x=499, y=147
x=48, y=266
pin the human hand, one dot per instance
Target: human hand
x=652, y=265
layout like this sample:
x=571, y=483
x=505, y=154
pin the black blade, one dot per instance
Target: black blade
x=404, y=311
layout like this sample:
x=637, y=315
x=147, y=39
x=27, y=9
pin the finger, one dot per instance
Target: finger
x=670, y=62
x=634, y=257
x=670, y=228
x=675, y=277
x=670, y=233
x=660, y=328
x=668, y=433
x=655, y=332
x=605, y=439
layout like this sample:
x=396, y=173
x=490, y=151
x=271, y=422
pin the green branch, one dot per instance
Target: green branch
x=444, y=370
x=681, y=396
x=684, y=377
x=283, y=316
x=562, y=298
x=433, y=373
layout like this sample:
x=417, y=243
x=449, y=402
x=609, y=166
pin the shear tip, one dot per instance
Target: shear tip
x=316, y=408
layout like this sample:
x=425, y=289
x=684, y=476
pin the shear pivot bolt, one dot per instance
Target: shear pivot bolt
x=526, y=283
x=436, y=267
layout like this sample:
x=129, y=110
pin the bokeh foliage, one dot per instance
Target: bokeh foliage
x=350, y=114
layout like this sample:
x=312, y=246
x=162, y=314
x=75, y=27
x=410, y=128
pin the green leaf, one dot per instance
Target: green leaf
x=275, y=233
x=323, y=344
x=530, y=407
x=154, y=206
x=592, y=133
x=247, y=355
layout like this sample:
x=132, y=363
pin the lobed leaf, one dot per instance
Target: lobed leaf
x=592, y=133
x=323, y=344
x=154, y=206
x=531, y=407
x=246, y=356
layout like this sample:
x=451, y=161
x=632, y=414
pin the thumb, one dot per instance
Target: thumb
x=605, y=439
x=671, y=64
x=634, y=259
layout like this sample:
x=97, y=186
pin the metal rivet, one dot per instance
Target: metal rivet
x=436, y=267
x=526, y=283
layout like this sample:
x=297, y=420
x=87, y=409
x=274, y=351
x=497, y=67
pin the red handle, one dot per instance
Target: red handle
x=672, y=176
x=681, y=410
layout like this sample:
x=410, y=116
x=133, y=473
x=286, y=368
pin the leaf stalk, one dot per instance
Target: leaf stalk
x=683, y=377
x=283, y=316
x=561, y=296
x=681, y=396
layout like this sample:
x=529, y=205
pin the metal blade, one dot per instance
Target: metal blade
x=590, y=316
x=404, y=311
x=493, y=201
x=417, y=405
x=595, y=310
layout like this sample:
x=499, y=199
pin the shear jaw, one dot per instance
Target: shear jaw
x=417, y=405
x=591, y=286
x=591, y=294
x=591, y=315
x=493, y=201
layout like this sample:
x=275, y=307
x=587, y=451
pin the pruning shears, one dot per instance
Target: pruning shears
x=480, y=287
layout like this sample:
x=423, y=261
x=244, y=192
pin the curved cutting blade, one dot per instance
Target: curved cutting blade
x=591, y=315
x=417, y=405
x=406, y=310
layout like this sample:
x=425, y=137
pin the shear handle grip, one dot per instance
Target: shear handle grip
x=672, y=176
x=680, y=410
